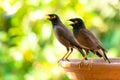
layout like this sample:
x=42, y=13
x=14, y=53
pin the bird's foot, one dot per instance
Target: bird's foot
x=66, y=59
x=89, y=65
x=63, y=59
x=81, y=63
x=60, y=60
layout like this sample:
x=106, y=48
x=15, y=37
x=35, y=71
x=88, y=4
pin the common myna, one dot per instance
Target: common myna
x=86, y=39
x=64, y=36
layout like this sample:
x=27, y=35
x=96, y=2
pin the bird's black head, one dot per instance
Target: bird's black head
x=77, y=23
x=53, y=18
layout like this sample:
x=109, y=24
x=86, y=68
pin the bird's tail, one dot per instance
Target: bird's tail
x=102, y=53
x=81, y=51
x=97, y=53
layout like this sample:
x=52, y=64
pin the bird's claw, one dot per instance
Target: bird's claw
x=66, y=59
x=63, y=59
x=89, y=65
x=60, y=60
x=81, y=63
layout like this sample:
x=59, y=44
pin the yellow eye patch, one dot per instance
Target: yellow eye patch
x=54, y=17
x=75, y=21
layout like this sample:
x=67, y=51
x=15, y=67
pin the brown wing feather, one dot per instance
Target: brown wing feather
x=87, y=40
x=65, y=36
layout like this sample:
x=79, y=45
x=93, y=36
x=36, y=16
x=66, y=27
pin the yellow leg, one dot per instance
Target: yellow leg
x=66, y=58
x=63, y=57
x=82, y=61
x=91, y=61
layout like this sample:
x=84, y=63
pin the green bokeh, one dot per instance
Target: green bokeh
x=28, y=47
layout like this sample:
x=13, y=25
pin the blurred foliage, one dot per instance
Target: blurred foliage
x=28, y=47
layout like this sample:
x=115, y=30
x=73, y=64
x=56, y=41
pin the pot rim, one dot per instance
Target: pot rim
x=98, y=64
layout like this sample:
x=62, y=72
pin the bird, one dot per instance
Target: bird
x=64, y=36
x=86, y=39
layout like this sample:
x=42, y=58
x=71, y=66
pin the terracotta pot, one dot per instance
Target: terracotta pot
x=100, y=70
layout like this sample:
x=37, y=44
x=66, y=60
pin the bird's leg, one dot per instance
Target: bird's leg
x=82, y=61
x=64, y=55
x=83, y=54
x=69, y=54
x=91, y=61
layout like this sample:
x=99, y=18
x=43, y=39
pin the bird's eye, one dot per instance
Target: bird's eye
x=54, y=17
x=76, y=22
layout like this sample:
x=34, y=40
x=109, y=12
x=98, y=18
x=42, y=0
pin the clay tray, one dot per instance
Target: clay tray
x=100, y=69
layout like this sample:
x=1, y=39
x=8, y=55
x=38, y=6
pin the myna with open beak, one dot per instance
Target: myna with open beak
x=64, y=36
x=86, y=39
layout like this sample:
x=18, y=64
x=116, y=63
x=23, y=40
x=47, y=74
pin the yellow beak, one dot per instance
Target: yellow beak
x=47, y=16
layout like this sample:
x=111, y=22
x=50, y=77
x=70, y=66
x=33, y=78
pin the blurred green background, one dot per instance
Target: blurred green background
x=28, y=47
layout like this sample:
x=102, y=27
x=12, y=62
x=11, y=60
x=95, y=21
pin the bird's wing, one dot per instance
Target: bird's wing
x=65, y=34
x=85, y=38
x=69, y=36
x=97, y=41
